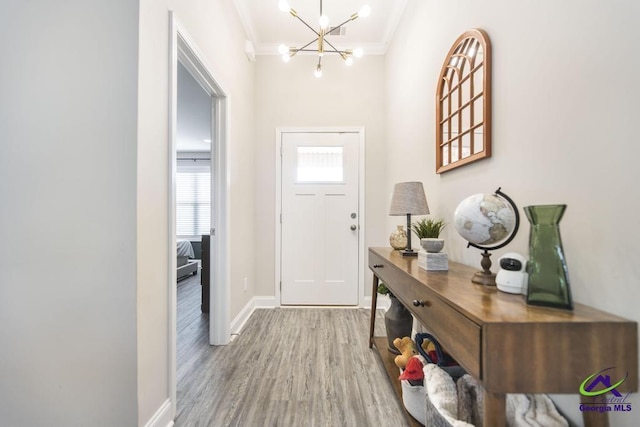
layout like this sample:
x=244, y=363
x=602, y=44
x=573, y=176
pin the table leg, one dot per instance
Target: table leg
x=593, y=418
x=374, y=304
x=495, y=409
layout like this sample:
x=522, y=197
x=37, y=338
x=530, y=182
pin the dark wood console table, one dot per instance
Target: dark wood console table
x=509, y=346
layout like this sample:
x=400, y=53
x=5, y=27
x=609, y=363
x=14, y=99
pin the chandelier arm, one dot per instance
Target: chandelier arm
x=332, y=46
x=293, y=51
x=343, y=54
x=340, y=52
x=308, y=26
x=308, y=44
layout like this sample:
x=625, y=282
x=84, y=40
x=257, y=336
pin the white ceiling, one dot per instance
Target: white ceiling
x=268, y=27
x=193, y=130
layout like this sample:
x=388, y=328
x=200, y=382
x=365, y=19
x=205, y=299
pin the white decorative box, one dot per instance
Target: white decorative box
x=433, y=261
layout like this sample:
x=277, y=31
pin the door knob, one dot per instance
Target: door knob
x=353, y=227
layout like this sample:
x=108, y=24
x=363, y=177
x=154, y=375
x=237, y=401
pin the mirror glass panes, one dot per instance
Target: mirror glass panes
x=463, y=103
x=320, y=164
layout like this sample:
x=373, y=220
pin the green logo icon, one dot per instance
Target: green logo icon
x=587, y=386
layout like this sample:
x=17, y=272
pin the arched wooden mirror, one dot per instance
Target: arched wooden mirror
x=463, y=103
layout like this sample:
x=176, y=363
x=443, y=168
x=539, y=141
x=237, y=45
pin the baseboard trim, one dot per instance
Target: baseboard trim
x=256, y=302
x=163, y=416
x=265, y=302
x=242, y=317
x=383, y=302
x=237, y=324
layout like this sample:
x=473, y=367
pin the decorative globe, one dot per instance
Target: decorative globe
x=484, y=219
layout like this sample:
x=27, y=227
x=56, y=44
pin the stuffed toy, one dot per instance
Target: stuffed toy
x=413, y=372
x=408, y=349
x=430, y=350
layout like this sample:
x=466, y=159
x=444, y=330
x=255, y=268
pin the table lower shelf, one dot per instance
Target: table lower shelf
x=380, y=344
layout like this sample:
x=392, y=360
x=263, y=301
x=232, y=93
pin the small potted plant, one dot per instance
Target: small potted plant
x=428, y=230
x=397, y=320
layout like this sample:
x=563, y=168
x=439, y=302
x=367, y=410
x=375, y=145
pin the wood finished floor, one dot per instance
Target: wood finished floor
x=289, y=367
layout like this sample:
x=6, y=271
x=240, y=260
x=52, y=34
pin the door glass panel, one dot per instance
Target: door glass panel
x=320, y=164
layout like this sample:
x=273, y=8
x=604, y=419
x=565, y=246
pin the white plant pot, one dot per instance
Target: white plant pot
x=432, y=245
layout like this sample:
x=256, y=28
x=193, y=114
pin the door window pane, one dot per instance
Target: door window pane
x=320, y=164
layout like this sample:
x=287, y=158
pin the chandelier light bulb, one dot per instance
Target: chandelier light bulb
x=358, y=52
x=364, y=11
x=283, y=48
x=318, y=71
x=348, y=61
x=324, y=22
x=286, y=57
x=284, y=5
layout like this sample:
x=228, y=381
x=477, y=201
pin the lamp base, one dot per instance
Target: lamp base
x=409, y=252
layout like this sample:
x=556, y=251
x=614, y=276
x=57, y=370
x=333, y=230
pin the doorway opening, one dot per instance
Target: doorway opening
x=197, y=156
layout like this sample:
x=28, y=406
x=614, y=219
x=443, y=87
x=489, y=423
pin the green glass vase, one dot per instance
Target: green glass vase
x=547, y=268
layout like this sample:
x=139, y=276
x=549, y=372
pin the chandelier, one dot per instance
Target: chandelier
x=322, y=45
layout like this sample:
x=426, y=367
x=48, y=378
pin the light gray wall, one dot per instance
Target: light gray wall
x=565, y=119
x=68, y=124
x=288, y=95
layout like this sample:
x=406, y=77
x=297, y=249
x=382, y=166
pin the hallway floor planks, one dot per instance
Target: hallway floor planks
x=289, y=367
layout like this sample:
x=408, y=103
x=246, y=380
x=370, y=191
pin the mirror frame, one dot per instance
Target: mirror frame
x=454, y=65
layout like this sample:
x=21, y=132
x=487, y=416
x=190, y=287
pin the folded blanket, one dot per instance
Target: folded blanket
x=523, y=410
x=470, y=400
x=533, y=410
x=441, y=398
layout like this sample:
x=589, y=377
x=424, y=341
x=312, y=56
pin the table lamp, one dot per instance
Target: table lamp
x=408, y=199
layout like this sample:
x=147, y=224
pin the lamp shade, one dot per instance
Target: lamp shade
x=408, y=198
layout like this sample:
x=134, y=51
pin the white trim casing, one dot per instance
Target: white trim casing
x=194, y=61
x=184, y=49
x=360, y=130
x=172, y=273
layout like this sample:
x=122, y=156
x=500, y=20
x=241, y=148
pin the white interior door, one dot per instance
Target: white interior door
x=320, y=218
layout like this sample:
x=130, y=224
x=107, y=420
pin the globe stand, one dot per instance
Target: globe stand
x=485, y=277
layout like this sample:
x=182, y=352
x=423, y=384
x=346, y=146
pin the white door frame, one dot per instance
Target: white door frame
x=361, y=201
x=183, y=48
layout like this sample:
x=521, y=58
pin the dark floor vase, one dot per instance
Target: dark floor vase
x=547, y=268
x=398, y=322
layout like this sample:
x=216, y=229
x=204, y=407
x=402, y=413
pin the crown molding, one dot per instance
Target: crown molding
x=247, y=22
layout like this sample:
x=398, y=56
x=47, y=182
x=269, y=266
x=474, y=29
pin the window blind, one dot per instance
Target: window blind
x=193, y=201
